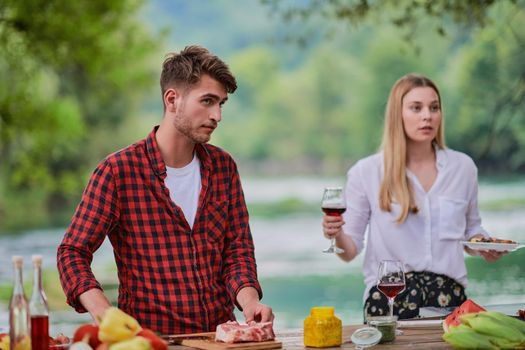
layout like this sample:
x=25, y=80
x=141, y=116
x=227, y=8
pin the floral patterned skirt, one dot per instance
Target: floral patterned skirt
x=422, y=289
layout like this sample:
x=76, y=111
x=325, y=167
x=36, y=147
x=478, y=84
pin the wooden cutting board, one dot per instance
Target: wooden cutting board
x=210, y=344
x=205, y=341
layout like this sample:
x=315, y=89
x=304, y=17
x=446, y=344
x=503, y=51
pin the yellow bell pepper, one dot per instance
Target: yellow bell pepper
x=116, y=326
x=4, y=342
x=136, y=343
x=24, y=344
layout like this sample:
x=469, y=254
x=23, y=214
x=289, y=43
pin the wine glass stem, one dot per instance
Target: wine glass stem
x=391, y=305
x=332, y=243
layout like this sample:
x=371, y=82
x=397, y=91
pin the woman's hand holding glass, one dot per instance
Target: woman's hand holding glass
x=333, y=205
x=333, y=227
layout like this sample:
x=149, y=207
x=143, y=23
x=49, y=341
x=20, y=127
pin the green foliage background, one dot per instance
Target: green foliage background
x=73, y=75
x=79, y=81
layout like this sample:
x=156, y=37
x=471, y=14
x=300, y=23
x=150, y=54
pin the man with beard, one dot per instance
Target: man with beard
x=173, y=209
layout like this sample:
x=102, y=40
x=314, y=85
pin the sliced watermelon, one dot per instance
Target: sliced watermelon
x=467, y=307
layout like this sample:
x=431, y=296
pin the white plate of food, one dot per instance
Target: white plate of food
x=499, y=247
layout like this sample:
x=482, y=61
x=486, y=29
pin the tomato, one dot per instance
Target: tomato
x=521, y=314
x=467, y=307
x=89, y=331
x=156, y=342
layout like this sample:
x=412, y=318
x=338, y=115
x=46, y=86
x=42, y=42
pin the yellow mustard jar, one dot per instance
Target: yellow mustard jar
x=322, y=329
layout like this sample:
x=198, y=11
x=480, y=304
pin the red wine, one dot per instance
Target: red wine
x=332, y=211
x=391, y=289
x=40, y=332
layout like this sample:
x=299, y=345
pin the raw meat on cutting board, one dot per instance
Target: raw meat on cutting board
x=233, y=332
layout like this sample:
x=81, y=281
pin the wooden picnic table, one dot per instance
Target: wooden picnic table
x=415, y=338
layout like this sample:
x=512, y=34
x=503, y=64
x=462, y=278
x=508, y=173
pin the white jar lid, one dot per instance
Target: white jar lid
x=366, y=337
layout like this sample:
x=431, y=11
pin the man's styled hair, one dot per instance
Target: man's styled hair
x=184, y=69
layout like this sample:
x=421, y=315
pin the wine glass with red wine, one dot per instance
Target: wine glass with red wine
x=333, y=204
x=391, y=280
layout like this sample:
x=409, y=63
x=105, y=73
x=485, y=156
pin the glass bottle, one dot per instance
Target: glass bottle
x=39, y=309
x=19, y=322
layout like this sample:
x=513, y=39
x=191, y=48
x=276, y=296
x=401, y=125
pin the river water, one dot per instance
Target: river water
x=294, y=274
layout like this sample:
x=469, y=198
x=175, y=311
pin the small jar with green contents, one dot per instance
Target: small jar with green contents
x=386, y=325
x=322, y=329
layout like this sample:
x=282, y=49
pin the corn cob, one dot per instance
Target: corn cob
x=510, y=321
x=466, y=338
x=484, y=324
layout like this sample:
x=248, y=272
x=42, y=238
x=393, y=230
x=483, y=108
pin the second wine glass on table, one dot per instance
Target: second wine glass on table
x=333, y=204
x=391, y=281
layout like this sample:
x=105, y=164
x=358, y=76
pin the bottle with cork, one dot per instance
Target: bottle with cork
x=39, y=309
x=19, y=319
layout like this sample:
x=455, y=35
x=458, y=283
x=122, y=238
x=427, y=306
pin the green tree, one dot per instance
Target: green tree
x=411, y=15
x=246, y=126
x=299, y=117
x=489, y=96
x=71, y=69
x=473, y=49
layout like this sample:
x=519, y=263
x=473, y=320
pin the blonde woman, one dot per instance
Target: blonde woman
x=418, y=199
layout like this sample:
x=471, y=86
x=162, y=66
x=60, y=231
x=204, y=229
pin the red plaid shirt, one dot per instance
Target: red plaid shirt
x=172, y=279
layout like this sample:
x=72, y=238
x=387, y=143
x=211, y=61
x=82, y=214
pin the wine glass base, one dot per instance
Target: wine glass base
x=334, y=250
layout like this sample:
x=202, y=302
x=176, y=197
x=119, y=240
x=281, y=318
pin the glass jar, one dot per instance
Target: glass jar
x=322, y=328
x=386, y=325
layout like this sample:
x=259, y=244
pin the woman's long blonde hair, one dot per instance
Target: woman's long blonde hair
x=395, y=184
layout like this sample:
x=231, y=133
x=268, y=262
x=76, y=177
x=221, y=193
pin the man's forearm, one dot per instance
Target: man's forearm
x=252, y=308
x=246, y=296
x=95, y=302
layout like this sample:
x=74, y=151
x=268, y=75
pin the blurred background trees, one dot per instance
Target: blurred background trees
x=474, y=50
x=72, y=74
x=80, y=80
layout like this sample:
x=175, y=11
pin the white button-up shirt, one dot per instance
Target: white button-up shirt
x=427, y=241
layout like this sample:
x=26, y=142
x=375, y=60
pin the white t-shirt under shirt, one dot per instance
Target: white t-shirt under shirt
x=427, y=241
x=184, y=185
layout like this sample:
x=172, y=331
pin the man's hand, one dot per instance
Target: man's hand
x=252, y=309
x=258, y=312
x=95, y=303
